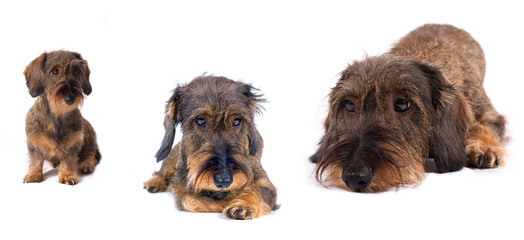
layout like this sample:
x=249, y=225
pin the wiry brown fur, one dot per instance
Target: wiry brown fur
x=56, y=131
x=423, y=99
x=218, y=149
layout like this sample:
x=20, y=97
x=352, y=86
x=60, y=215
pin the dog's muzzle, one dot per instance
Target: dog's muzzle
x=357, y=178
x=69, y=100
x=69, y=94
x=223, y=178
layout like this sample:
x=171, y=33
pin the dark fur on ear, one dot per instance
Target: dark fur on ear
x=172, y=119
x=253, y=98
x=253, y=101
x=86, y=85
x=34, y=75
x=254, y=142
x=317, y=156
x=451, y=120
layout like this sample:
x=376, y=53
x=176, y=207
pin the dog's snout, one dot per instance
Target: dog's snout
x=223, y=179
x=68, y=93
x=69, y=100
x=357, y=178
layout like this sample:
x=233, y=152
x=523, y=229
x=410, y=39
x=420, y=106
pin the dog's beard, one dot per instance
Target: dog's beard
x=391, y=159
x=58, y=99
x=204, y=165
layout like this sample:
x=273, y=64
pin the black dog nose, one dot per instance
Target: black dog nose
x=69, y=100
x=357, y=178
x=223, y=179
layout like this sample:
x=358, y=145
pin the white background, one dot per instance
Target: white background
x=138, y=51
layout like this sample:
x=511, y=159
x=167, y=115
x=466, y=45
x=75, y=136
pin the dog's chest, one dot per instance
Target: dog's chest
x=56, y=136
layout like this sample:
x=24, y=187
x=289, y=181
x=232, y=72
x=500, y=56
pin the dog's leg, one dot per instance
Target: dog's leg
x=158, y=182
x=87, y=164
x=89, y=155
x=66, y=171
x=256, y=200
x=485, y=141
x=36, y=163
x=190, y=203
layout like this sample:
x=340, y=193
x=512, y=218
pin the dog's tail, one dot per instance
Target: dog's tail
x=167, y=142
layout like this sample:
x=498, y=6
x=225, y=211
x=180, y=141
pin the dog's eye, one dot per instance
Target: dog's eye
x=75, y=72
x=201, y=122
x=236, y=122
x=350, y=106
x=402, y=105
x=55, y=71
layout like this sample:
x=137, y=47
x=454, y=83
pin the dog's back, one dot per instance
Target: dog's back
x=447, y=48
x=459, y=58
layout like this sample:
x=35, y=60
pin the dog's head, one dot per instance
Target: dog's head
x=216, y=116
x=387, y=114
x=62, y=77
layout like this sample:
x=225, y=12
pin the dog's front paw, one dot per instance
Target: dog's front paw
x=69, y=179
x=241, y=211
x=155, y=184
x=33, y=178
x=484, y=153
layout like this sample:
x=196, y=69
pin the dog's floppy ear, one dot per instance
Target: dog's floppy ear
x=317, y=156
x=253, y=103
x=254, y=142
x=451, y=120
x=35, y=76
x=172, y=119
x=253, y=98
x=84, y=77
x=86, y=85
